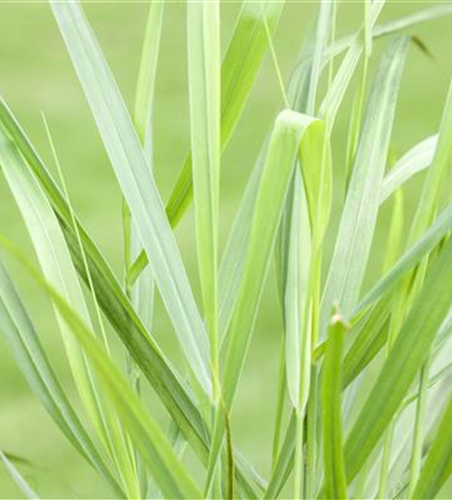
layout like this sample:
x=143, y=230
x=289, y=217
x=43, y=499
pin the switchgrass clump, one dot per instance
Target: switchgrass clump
x=364, y=399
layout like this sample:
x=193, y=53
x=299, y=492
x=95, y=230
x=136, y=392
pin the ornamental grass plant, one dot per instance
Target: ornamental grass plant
x=363, y=390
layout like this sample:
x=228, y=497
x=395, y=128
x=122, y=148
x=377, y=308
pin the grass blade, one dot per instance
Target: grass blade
x=414, y=161
x=336, y=92
x=296, y=300
x=55, y=261
x=142, y=291
x=359, y=215
x=138, y=186
x=438, y=463
x=144, y=98
x=428, y=203
x=334, y=466
x=18, y=478
x=246, y=51
x=409, y=260
x=203, y=28
x=290, y=129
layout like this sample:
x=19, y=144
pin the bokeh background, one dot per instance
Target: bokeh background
x=36, y=75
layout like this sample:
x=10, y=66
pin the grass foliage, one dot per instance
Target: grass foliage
x=364, y=397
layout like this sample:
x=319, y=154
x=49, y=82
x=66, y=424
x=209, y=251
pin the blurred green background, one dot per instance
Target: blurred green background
x=36, y=74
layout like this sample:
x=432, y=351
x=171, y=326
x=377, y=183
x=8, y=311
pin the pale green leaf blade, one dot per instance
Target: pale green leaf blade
x=359, y=215
x=244, y=56
x=369, y=336
x=320, y=43
x=412, y=257
x=144, y=97
x=436, y=174
x=234, y=254
x=289, y=130
x=138, y=186
x=393, y=26
x=296, y=300
x=203, y=29
x=55, y=262
x=18, y=478
x=336, y=92
x=420, y=17
x=415, y=160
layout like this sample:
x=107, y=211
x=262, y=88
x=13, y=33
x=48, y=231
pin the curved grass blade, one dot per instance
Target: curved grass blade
x=149, y=439
x=142, y=291
x=369, y=336
x=409, y=260
x=333, y=458
x=289, y=131
x=139, y=189
x=56, y=263
x=359, y=215
x=297, y=316
x=232, y=262
x=415, y=160
x=393, y=26
x=18, y=478
x=17, y=329
x=409, y=352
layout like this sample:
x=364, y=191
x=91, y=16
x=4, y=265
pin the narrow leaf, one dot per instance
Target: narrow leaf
x=138, y=186
x=290, y=129
x=203, y=28
x=333, y=459
x=18, y=478
x=359, y=215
